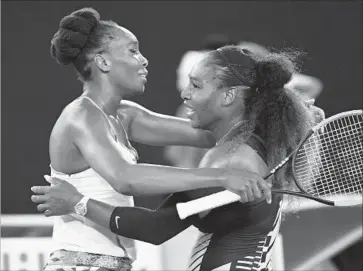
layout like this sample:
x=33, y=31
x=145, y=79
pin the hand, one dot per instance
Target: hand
x=58, y=199
x=248, y=185
x=317, y=113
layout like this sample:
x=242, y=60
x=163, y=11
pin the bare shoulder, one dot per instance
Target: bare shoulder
x=130, y=108
x=81, y=115
x=242, y=156
x=128, y=111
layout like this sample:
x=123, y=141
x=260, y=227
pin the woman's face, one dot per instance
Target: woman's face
x=201, y=96
x=128, y=66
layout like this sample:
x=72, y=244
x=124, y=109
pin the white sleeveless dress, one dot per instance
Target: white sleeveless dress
x=78, y=234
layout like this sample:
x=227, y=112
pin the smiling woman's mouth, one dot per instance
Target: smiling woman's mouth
x=190, y=112
x=143, y=76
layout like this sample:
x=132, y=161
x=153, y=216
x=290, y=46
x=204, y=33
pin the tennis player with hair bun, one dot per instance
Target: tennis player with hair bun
x=240, y=98
x=90, y=148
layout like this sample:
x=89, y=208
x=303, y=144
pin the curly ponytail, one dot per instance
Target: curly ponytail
x=277, y=114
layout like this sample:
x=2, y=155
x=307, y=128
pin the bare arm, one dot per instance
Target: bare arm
x=243, y=158
x=184, y=156
x=107, y=157
x=147, y=127
x=152, y=226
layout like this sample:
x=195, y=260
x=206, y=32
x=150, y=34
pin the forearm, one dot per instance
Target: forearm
x=144, y=179
x=142, y=224
x=146, y=225
x=99, y=212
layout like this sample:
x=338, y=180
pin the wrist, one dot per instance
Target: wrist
x=81, y=206
x=75, y=199
x=221, y=178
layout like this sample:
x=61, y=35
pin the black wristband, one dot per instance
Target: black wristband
x=116, y=218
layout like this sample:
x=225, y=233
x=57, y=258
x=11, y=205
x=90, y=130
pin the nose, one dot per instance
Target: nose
x=185, y=94
x=144, y=61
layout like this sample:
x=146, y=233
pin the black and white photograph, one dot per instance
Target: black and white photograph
x=181, y=135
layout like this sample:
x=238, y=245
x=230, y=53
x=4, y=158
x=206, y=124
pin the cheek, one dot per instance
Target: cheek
x=127, y=63
x=204, y=108
x=125, y=72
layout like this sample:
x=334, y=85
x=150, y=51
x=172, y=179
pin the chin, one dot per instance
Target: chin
x=195, y=124
x=141, y=89
x=136, y=91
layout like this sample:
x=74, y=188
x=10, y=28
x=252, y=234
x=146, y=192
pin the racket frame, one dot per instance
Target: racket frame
x=226, y=197
x=313, y=130
x=292, y=155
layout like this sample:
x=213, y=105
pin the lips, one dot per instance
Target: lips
x=188, y=106
x=143, y=74
x=190, y=110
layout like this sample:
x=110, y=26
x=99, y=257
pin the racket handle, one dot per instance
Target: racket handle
x=186, y=209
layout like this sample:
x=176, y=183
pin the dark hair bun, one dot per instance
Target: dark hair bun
x=73, y=33
x=274, y=71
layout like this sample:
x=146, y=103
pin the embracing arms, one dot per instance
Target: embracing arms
x=152, y=226
x=108, y=158
x=147, y=127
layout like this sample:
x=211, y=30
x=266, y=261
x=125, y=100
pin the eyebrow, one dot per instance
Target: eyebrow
x=133, y=43
x=193, y=78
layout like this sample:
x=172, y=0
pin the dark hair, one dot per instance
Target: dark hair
x=81, y=34
x=278, y=115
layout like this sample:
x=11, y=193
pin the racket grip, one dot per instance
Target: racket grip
x=186, y=209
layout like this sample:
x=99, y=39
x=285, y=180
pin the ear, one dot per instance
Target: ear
x=103, y=63
x=230, y=94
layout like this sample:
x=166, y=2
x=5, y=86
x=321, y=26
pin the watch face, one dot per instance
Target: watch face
x=80, y=209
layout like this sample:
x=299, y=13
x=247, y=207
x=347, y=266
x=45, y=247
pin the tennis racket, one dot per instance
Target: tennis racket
x=328, y=163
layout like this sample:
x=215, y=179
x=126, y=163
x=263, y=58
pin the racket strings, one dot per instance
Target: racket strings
x=330, y=162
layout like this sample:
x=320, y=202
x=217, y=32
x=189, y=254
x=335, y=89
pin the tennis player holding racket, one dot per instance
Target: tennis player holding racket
x=256, y=122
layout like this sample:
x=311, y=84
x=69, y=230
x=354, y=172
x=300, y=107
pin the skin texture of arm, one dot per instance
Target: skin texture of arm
x=91, y=134
x=152, y=226
x=106, y=156
x=161, y=224
x=184, y=156
x=147, y=127
x=230, y=155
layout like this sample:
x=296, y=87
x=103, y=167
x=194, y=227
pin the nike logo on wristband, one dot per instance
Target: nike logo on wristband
x=116, y=220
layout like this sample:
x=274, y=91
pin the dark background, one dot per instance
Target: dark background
x=35, y=89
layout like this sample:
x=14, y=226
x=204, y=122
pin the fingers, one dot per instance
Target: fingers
x=42, y=207
x=40, y=189
x=256, y=190
x=45, y=208
x=52, y=180
x=249, y=194
x=265, y=190
x=39, y=198
x=48, y=213
x=48, y=178
x=243, y=196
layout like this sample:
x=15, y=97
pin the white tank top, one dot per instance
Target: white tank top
x=76, y=233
